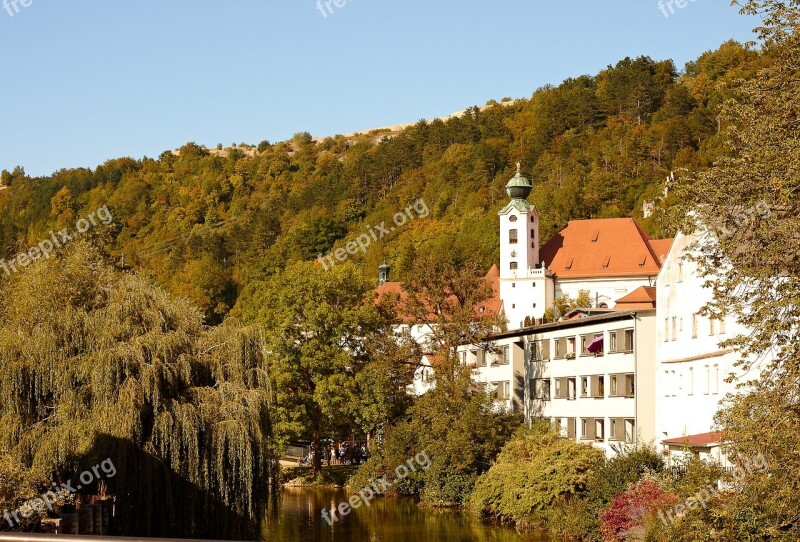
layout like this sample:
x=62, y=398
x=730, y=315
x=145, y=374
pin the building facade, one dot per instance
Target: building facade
x=694, y=372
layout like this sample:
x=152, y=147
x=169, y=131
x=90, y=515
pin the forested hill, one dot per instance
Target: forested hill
x=212, y=224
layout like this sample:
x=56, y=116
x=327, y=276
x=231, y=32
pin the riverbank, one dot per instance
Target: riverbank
x=330, y=477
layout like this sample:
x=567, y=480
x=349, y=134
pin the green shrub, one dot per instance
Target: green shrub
x=536, y=470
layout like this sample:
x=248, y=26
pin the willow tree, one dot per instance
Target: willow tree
x=99, y=364
x=749, y=200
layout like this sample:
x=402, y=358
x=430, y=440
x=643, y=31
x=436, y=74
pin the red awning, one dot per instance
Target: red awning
x=596, y=345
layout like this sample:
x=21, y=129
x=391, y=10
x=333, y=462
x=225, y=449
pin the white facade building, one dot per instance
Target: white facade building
x=692, y=368
x=594, y=378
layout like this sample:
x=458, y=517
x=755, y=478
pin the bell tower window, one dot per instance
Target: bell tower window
x=512, y=237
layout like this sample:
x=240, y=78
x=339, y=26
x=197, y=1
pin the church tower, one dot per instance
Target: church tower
x=519, y=230
x=526, y=285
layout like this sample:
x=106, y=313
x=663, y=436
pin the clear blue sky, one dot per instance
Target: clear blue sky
x=89, y=80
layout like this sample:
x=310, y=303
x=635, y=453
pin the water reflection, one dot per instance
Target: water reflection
x=297, y=518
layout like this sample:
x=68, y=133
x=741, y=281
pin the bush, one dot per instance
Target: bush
x=536, y=470
x=632, y=513
x=620, y=471
x=455, y=426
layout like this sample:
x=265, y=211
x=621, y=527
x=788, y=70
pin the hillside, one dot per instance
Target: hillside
x=212, y=224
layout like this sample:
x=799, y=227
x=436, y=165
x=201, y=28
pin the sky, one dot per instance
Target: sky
x=90, y=80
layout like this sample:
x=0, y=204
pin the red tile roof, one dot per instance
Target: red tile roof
x=603, y=247
x=661, y=247
x=700, y=440
x=643, y=297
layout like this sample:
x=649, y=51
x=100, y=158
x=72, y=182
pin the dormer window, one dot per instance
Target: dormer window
x=596, y=236
x=569, y=265
x=606, y=262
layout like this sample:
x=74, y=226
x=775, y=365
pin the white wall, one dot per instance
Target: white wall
x=640, y=362
x=692, y=367
x=604, y=289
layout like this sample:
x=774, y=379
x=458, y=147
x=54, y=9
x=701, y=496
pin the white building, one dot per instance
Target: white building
x=692, y=367
x=608, y=258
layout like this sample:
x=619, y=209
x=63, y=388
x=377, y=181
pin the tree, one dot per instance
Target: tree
x=448, y=294
x=535, y=469
x=320, y=324
x=102, y=364
x=748, y=201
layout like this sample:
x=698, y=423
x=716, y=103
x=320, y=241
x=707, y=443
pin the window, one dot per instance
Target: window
x=613, y=391
x=571, y=427
x=559, y=388
x=599, y=429
x=680, y=324
x=533, y=234
x=533, y=219
x=666, y=329
x=587, y=340
x=710, y=327
x=722, y=326
x=571, y=348
x=630, y=430
x=629, y=340
x=561, y=348
x=680, y=272
x=540, y=350
x=674, y=328
x=612, y=429
x=667, y=384
x=588, y=428
x=571, y=392
x=513, y=266
x=512, y=218
x=694, y=326
x=584, y=386
x=691, y=381
x=715, y=386
x=502, y=390
x=708, y=379
x=629, y=385
x=540, y=389
x=599, y=387
x=612, y=342
x=512, y=237
x=503, y=357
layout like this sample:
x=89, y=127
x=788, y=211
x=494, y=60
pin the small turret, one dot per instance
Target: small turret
x=383, y=273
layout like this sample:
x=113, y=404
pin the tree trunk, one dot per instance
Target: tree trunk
x=316, y=447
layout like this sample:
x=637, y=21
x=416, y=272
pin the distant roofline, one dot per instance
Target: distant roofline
x=577, y=322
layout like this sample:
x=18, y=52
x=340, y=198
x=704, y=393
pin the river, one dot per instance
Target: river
x=297, y=518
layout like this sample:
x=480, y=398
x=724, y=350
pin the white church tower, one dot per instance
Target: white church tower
x=526, y=285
